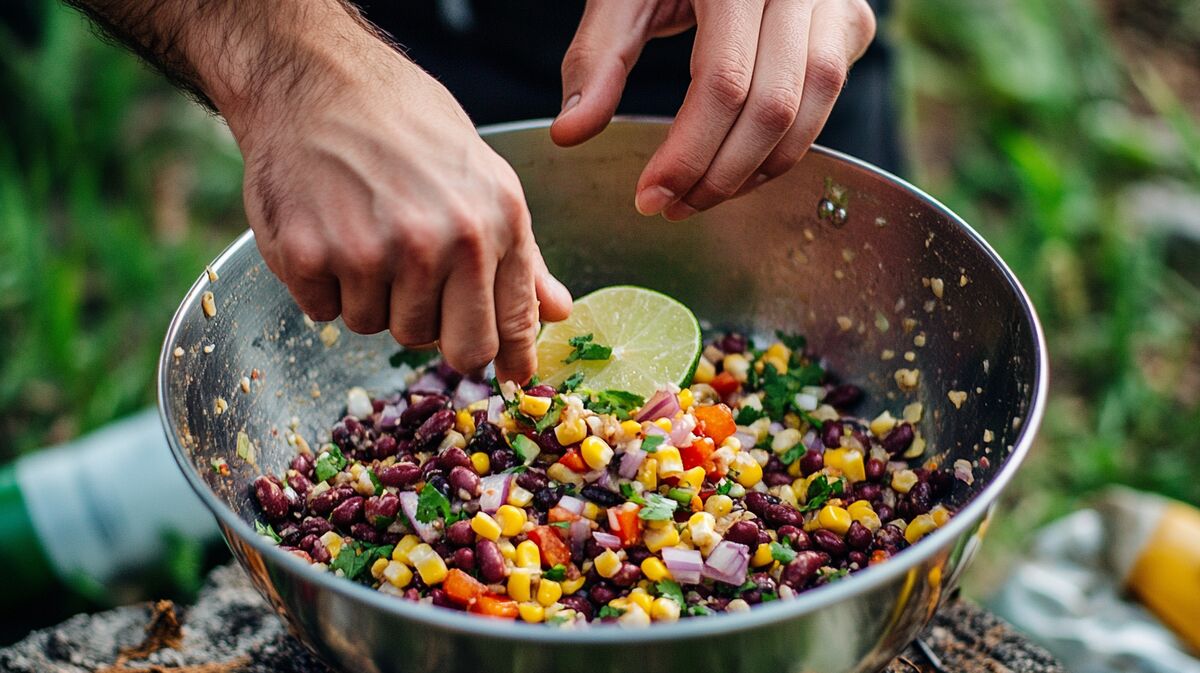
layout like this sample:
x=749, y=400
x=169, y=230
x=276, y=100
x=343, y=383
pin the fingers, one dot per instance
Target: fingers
x=416, y=298
x=468, y=326
x=769, y=113
x=516, y=313
x=301, y=262
x=840, y=33
x=596, y=65
x=723, y=60
x=554, y=299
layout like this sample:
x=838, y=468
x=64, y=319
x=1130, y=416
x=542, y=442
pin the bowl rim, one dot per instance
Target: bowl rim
x=602, y=634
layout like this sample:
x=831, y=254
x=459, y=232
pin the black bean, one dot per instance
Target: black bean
x=796, y=536
x=289, y=535
x=627, y=575
x=780, y=514
x=890, y=538
x=859, y=536
x=533, y=480
x=347, y=513
x=366, y=532
x=884, y=513
x=776, y=478
x=601, y=496
x=315, y=525
x=844, y=396
x=867, y=491
x=400, y=474
x=542, y=390
x=324, y=503
x=829, y=542
x=743, y=532
x=503, y=459
x=752, y=596
x=348, y=434
x=876, y=469
x=464, y=558
x=271, y=498
x=439, y=482
x=465, y=481
x=941, y=482
x=434, y=429
x=385, y=447
x=758, y=502
x=487, y=437
x=442, y=599
x=490, y=561
x=548, y=497
x=637, y=554
x=460, y=533
x=299, y=483
x=899, y=439
x=578, y=604
x=602, y=593
x=806, y=564
x=732, y=343
x=812, y=461
x=304, y=464
x=547, y=441
x=920, y=498
x=831, y=434
x=857, y=557
x=381, y=509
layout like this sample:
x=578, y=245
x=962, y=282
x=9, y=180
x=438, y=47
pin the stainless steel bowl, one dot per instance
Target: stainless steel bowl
x=862, y=288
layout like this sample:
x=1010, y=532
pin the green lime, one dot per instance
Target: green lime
x=655, y=340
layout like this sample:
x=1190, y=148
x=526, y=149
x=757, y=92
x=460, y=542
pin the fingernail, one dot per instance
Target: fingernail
x=653, y=199
x=571, y=102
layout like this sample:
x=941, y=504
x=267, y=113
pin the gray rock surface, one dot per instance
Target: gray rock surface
x=230, y=629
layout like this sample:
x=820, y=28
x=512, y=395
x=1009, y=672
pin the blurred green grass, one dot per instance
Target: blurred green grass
x=1060, y=136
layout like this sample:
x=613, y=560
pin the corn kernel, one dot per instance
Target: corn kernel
x=940, y=515
x=564, y=475
x=486, y=526
x=718, y=505
x=669, y=462
x=464, y=422
x=596, y=452
x=835, y=459
x=793, y=470
x=511, y=519
x=779, y=364
x=785, y=439
x=519, y=585
x=333, y=543
x=519, y=497
x=428, y=564
x=534, y=406
x=531, y=613
x=853, y=466
x=548, y=592
x=705, y=371
x=834, y=518
x=882, y=424
x=640, y=598
x=919, y=527
x=660, y=538
x=397, y=574
x=591, y=511
x=570, y=431
x=859, y=507
x=904, y=480
x=788, y=494
x=748, y=471
x=570, y=586
x=631, y=428
x=762, y=556
x=405, y=545
x=737, y=365
x=664, y=610
x=663, y=424
x=693, y=478
x=608, y=563
x=481, y=405
x=868, y=519
x=732, y=443
x=686, y=399
x=507, y=549
x=778, y=350
x=528, y=555
x=655, y=570
x=701, y=527
x=481, y=462
x=634, y=617
x=378, y=567
x=647, y=474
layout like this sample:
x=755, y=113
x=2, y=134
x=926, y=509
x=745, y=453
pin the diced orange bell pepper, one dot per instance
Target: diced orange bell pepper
x=493, y=605
x=558, y=514
x=554, y=550
x=462, y=588
x=574, y=460
x=625, y=523
x=724, y=384
x=715, y=422
x=697, y=453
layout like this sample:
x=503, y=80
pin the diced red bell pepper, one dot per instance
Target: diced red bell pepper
x=715, y=422
x=725, y=384
x=697, y=453
x=494, y=605
x=574, y=460
x=554, y=550
x=558, y=514
x=462, y=588
x=625, y=523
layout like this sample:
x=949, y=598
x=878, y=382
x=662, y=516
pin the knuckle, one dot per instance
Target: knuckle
x=862, y=21
x=518, y=325
x=776, y=110
x=729, y=84
x=473, y=355
x=711, y=190
x=826, y=75
x=304, y=258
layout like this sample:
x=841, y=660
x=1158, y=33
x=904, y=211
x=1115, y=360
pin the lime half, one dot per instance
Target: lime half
x=655, y=340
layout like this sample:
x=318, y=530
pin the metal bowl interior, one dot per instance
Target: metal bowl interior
x=901, y=283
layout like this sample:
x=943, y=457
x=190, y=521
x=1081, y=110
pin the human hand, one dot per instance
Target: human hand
x=765, y=75
x=372, y=196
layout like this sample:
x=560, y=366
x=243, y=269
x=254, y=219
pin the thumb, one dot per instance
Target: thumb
x=607, y=44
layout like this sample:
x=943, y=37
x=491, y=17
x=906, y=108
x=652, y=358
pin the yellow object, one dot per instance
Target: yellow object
x=686, y=399
x=660, y=538
x=569, y=432
x=749, y=472
x=737, y=365
x=655, y=570
x=861, y=511
x=486, y=526
x=428, y=564
x=664, y=610
x=333, y=543
x=853, y=466
x=591, y=511
x=519, y=497
x=507, y=550
x=705, y=371
x=397, y=574
x=940, y=515
x=779, y=365
x=669, y=462
x=534, y=406
x=919, y=527
x=481, y=462
x=834, y=518
x=564, y=475
x=511, y=519
x=762, y=556
x=378, y=567
x=528, y=555
x=640, y=598
x=549, y=592
x=570, y=586
x=464, y=422
x=607, y=564
x=405, y=545
x=631, y=428
x=904, y=480
x=778, y=350
x=518, y=585
x=531, y=612
x=647, y=474
x=596, y=452
x=718, y=505
x=693, y=478
x=883, y=424
x=701, y=529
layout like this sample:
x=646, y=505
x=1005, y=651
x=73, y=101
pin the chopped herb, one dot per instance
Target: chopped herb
x=794, y=342
x=526, y=448
x=245, y=448
x=656, y=508
x=266, y=530
x=745, y=587
x=671, y=589
x=412, y=358
x=586, y=349
x=783, y=552
x=831, y=575
x=808, y=418
x=699, y=611
x=516, y=469
x=556, y=574
x=724, y=487
x=607, y=611
x=551, y=416
x=432, y=505
x=747, y=415
x=330, y=462
x=820, y=490
x=556, y=620
x=794, y=453
x=571, y=383
x=683, y=496
x=382, y=522
x=768, y=596
x=780, y=389
x=533, y=381
x=619, y=403
x=627, y=491
x=375, y=481
x=561, y=524
x=495, y=384
x=651, y=443
x=356, y=557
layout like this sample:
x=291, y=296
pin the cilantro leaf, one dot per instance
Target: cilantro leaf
x=560, y=524
x=783, y=553
x=551, y=416
x=375, y=481
x=747, y=415
x=820, y=491
x=672, y=590
x=794, y=453
x=794, y=342
x=586, y=349
x=571, y=383
x=330, y=462
x=657, y=508
x=779, y=390
x=266, y=530
x=412, y=358
x=356, y=557
x=724, y=487
x=651, y=443
x=557, y=574
x=699, y=611
x=815, y=422
x=607, y=611
x=431, y=505
x=619, y=403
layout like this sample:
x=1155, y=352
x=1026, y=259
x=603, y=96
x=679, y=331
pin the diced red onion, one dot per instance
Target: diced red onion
x=426, y=531
x=812, y=440
x=469, y=392
x=390, y=416
x=428, y=383
x=653, y=429
x=495, y=408
x=727, y=562
x=685, y=564
x=663, y=404
x=776, y=427
x=630, y=462
x=579, y=532
x=748, y=440
x=494, y=492
x=963, y=471
x=572, y=504
x=604, y=479
x=594, y=475
x=681, y=429
x=606, y=540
